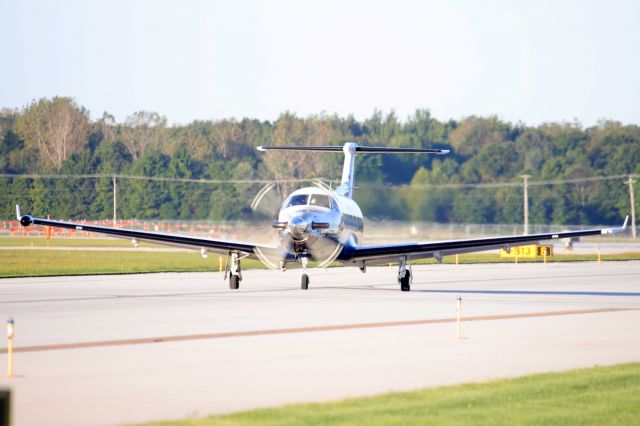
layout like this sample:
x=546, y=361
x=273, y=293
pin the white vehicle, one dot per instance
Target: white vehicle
x=324, y=225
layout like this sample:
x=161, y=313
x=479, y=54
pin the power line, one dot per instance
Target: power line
x=577, y=180
x=157, y=178
x=518, y=184
x=266, y=181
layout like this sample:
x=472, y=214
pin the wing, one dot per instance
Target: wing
x=372, y=255
x=205, y=245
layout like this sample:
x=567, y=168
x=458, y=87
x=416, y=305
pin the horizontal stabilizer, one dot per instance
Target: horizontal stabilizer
x=393, y=150
x=350, y=151
x=301, y=148
x=379, y=149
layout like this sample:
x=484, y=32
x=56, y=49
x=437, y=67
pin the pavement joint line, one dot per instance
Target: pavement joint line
x=311, y=329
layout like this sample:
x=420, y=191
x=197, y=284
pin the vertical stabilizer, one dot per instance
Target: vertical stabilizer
x=346, y=184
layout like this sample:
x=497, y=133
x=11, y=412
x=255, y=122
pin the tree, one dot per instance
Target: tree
x=142, y=132
x=228, y=137
x=474, y=133
x=57, y=127
x=291, y=130
x=57, y=135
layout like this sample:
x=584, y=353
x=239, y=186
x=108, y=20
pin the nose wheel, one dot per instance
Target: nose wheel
x=304, y=277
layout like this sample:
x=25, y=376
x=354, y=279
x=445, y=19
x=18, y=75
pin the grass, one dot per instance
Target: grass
x=495, y=258
x=34, y=263
x=593, y=396
x=70, y=242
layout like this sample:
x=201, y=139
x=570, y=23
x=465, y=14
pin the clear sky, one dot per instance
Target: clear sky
x=529, y=61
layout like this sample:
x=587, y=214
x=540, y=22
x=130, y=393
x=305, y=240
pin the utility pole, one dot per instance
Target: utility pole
x=115, y=200
x=633, y=207
x=526, y=203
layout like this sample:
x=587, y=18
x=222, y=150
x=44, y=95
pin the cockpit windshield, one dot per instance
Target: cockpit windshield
x=298, y=200
x=317, y=200
x=320, y=201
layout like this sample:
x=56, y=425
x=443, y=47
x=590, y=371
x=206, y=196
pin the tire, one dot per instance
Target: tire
x=234, y=282
x=304, y=282
x=405, y=282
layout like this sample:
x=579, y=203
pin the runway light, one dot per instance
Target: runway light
x=459, y=315
x=10, y=331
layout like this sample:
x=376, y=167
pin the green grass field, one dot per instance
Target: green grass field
x=69, y=242
x=32, y=263
x=495, y=258
x=593, y=396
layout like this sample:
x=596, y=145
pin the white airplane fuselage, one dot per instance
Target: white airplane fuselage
x=311, y=214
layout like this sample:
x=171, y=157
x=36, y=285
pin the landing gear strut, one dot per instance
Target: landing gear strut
x=234, y=270
x=404, y=275
x=304, y=278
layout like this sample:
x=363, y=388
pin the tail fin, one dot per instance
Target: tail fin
x=350, y=151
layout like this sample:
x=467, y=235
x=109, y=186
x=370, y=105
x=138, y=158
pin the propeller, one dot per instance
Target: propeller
x=304, y=233
x=264, y=209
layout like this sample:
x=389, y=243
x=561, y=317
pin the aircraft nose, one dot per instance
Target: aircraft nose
x=298, y=226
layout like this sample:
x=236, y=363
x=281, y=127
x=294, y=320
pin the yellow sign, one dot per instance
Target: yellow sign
x=528, y=251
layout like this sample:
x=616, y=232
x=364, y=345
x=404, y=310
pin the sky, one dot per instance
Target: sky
x=524, y=61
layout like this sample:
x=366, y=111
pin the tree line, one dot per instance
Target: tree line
x=58, y=136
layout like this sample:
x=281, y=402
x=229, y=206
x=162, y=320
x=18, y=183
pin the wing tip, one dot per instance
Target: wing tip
x=626, y=222
x=25, y=220
x=617, y=230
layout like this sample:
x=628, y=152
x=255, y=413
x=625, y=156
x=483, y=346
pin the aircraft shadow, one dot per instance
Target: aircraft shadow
x=389, y=288
x=535, y=292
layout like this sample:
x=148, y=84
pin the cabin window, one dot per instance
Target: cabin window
x=320, y=200
x=298, y=200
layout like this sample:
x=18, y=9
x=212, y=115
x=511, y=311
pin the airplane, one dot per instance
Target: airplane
x=324, y=225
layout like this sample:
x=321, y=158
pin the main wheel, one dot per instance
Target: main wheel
x=405, y=282
x=234, y=282
x=304, y=282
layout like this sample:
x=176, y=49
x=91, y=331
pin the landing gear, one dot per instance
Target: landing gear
x=235, y=272
x=234, y=282
x=304, y=278
x=404, y=275
x=405, y=281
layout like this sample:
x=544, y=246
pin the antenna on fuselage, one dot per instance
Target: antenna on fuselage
x=350, y=150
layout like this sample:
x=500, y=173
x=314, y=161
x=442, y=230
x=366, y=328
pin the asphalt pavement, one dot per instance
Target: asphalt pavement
x=105, y=350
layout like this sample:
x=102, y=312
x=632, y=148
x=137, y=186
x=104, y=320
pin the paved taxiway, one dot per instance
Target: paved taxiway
x=105, y=350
